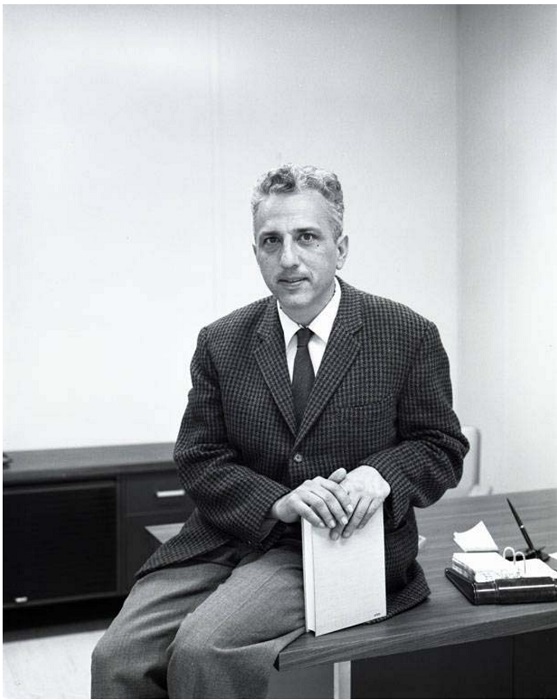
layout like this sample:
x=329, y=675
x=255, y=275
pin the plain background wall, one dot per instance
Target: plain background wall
x=133, y=137
x=507, y=379
x=134, y=134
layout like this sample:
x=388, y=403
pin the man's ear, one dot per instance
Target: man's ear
x=342, y=247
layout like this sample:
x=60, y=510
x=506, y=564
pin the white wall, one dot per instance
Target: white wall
x=133, y=136
x=508, y=214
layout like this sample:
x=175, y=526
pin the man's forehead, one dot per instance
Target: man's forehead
x=308, y=204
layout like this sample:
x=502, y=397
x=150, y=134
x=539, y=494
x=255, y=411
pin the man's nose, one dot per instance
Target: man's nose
x=289, y=254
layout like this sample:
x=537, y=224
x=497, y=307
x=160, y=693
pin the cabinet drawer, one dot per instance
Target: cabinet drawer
x=154, y=493
x=139, y=543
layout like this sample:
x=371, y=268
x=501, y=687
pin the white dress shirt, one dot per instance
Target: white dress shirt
x=321, y=327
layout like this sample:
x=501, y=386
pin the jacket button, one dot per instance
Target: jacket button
x=298, y=458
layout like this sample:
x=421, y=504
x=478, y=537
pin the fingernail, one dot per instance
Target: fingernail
x=335, y=535
x=350, y=508
x=347, y=534
x=331, y=523
x=344, y=521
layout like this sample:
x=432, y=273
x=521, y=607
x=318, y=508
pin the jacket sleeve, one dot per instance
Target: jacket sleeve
x=229, y=495
x=428, y=458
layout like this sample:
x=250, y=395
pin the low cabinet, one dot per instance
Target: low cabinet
x=75, y=519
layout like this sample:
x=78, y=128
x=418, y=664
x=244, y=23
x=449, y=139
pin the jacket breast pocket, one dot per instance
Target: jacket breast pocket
x=372, y=412
x=362, y=429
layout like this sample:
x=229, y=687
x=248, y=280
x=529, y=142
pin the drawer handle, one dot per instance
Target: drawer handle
x=171, y=494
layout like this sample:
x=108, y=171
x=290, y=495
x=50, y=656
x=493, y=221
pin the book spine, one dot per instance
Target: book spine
x=523, y=590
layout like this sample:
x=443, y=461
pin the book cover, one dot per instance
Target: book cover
x=344, y=580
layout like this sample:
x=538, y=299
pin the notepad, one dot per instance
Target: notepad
x=344, y=579
x=483, y=566
x=535, y=568
x=491, y=566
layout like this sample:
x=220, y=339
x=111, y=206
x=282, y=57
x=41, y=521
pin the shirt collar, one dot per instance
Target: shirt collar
x=321, y=325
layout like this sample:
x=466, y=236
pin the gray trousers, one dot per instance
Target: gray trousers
x=206, y=629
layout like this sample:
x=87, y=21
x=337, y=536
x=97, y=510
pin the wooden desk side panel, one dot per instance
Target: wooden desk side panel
x=508, y=667
x=479, y=670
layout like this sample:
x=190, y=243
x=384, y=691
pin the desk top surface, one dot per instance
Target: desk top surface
x=447, y=617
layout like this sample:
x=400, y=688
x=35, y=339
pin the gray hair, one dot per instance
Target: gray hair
x=293, y=179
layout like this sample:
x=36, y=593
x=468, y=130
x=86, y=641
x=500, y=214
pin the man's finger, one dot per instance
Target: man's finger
x=340, y=494
x=312, y=518
x=333, y=505
x=373, y=508
x=357, y=515
x=338, y=475
x=306, y=511
x=324, y=505
x=322, y=501
x=336, y=532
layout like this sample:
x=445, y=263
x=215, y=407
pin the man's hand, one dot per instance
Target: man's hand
x=367, y=490
x=323, y=502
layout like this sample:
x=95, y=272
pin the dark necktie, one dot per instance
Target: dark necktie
x=303, y=375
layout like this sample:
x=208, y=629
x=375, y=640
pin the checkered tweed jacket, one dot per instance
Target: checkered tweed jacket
x=382, y=397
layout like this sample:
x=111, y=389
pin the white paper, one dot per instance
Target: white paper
x=535, y=567
x=477, y=539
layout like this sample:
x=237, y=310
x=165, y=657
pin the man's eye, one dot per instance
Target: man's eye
x=307, y=237
x=270, y=241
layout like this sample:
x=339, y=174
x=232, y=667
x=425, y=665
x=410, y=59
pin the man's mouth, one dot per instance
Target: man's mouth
x=291, y=281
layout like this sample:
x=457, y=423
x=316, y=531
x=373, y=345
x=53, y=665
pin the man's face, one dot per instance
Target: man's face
x=297, y=253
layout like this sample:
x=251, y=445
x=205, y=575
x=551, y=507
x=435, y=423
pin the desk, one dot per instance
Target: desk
x=447, y=618
x=434, y=649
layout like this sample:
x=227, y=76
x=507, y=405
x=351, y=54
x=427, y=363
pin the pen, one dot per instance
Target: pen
x=521, y=527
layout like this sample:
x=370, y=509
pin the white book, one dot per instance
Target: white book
x=344, y=579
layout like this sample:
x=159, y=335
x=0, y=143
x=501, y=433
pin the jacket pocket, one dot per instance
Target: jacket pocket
x=385, y=403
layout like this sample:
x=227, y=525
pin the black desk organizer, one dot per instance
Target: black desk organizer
x=505, y=591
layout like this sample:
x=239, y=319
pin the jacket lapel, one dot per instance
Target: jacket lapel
x=270, y=355
x=342, y=349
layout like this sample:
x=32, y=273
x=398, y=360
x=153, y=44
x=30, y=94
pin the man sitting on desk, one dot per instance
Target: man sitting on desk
x=321, y=402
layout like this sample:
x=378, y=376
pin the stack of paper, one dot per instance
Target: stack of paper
x=484, y=566
x=344, y=580
x=533, y=568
